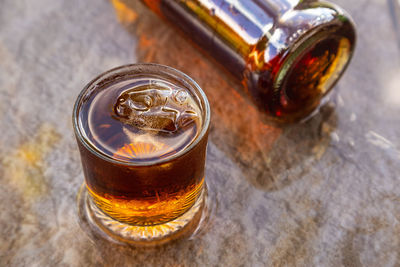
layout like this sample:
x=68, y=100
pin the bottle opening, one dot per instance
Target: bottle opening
x=311, y=74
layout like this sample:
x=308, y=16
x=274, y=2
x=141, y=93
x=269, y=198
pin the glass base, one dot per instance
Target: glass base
x=99, y=224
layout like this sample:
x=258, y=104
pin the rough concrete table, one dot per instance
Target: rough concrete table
x=321, y=193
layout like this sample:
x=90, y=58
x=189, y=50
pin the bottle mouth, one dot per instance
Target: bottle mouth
x=310, y=72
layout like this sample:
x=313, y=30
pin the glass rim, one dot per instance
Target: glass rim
x=195, y=88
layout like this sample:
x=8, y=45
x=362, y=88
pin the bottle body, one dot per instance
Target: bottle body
x=288, y=54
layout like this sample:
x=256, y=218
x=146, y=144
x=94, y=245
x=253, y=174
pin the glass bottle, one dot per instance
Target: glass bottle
x=288, y=54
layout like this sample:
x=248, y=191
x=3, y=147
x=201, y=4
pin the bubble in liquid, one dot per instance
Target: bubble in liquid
x=181, y=96
x=148, y=101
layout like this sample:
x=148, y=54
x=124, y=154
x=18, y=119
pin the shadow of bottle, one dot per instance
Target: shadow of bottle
x=295, y=153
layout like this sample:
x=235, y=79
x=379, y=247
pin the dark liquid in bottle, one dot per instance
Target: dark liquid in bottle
x=310, y=77
x=287, y=54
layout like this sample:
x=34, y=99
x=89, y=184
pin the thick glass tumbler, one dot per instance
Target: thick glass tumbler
x=142, y=134
x=288, y=54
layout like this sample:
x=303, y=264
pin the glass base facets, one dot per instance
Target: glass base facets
x=100, y=225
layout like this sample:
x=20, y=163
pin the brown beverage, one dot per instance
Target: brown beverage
x=143, y=138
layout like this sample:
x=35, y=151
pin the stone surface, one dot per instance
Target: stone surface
x=319, y=193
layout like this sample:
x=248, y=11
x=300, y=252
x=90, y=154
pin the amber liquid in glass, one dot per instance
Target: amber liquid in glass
x=139, y=125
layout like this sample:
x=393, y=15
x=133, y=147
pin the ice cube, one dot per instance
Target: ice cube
x=156, y=109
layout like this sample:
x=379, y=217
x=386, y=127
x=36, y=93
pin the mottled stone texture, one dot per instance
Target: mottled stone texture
x=320, y=193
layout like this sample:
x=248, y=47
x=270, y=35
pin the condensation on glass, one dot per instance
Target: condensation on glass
x=288, y=54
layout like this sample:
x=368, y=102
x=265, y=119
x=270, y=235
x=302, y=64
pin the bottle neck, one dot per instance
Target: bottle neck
x=262, y=42
x=229, y=29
